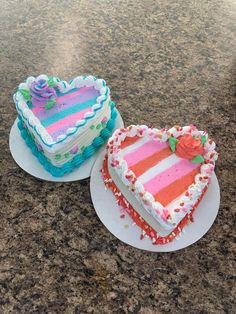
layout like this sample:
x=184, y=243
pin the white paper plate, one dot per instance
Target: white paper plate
x=123, y=228
x=28, y=162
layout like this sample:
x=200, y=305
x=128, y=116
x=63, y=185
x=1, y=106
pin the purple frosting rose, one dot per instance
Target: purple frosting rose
x=41, y=93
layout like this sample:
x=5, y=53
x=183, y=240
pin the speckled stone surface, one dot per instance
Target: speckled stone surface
x=167, y=62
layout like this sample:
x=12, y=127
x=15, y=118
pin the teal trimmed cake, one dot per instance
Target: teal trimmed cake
x=63, y=123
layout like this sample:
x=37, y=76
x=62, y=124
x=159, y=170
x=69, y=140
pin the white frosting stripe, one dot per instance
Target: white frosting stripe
x=160, y=167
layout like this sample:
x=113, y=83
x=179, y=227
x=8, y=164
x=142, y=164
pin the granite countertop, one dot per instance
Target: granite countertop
x=167, y=63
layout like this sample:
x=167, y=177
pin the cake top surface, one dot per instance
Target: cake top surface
x=55, y=109
x=167, y=170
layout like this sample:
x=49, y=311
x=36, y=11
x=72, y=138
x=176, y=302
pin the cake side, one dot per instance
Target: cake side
x=197, y=173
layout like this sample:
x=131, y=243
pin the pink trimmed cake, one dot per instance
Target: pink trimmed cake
x=64, y=123
x=159, y=176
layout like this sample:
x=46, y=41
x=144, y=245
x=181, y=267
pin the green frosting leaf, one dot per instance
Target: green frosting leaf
x=172, y=143
x=25, y=93
x=203, y=139
x=197, y=159
x=51, y=82
x=50, y=104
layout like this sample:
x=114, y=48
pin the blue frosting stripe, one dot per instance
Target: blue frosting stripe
x=67, y=112
x=79, y=158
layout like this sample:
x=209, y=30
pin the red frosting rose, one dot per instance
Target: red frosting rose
x=188, y=147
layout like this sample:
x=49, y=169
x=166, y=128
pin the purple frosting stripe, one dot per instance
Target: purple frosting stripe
x=89, y=94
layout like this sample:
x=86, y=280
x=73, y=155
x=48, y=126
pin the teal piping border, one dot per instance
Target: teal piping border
x=79, y=158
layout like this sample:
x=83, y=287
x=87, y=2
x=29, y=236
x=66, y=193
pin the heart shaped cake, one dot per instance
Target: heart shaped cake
x=64, y=123
x=159, y=176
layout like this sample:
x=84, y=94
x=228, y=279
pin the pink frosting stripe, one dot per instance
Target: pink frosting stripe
x=68, y=120
x=165, y=178
x=143, y=152
x=62, y=99
x=38, y=109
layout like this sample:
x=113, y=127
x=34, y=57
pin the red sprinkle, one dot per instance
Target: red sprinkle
x=129, y=176
x=141, y=237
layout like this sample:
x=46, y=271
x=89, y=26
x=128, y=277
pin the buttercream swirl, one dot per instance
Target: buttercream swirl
x=188, y=147
x=41, y=93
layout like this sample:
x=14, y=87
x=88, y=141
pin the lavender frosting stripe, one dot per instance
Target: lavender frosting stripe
x=44, y=114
